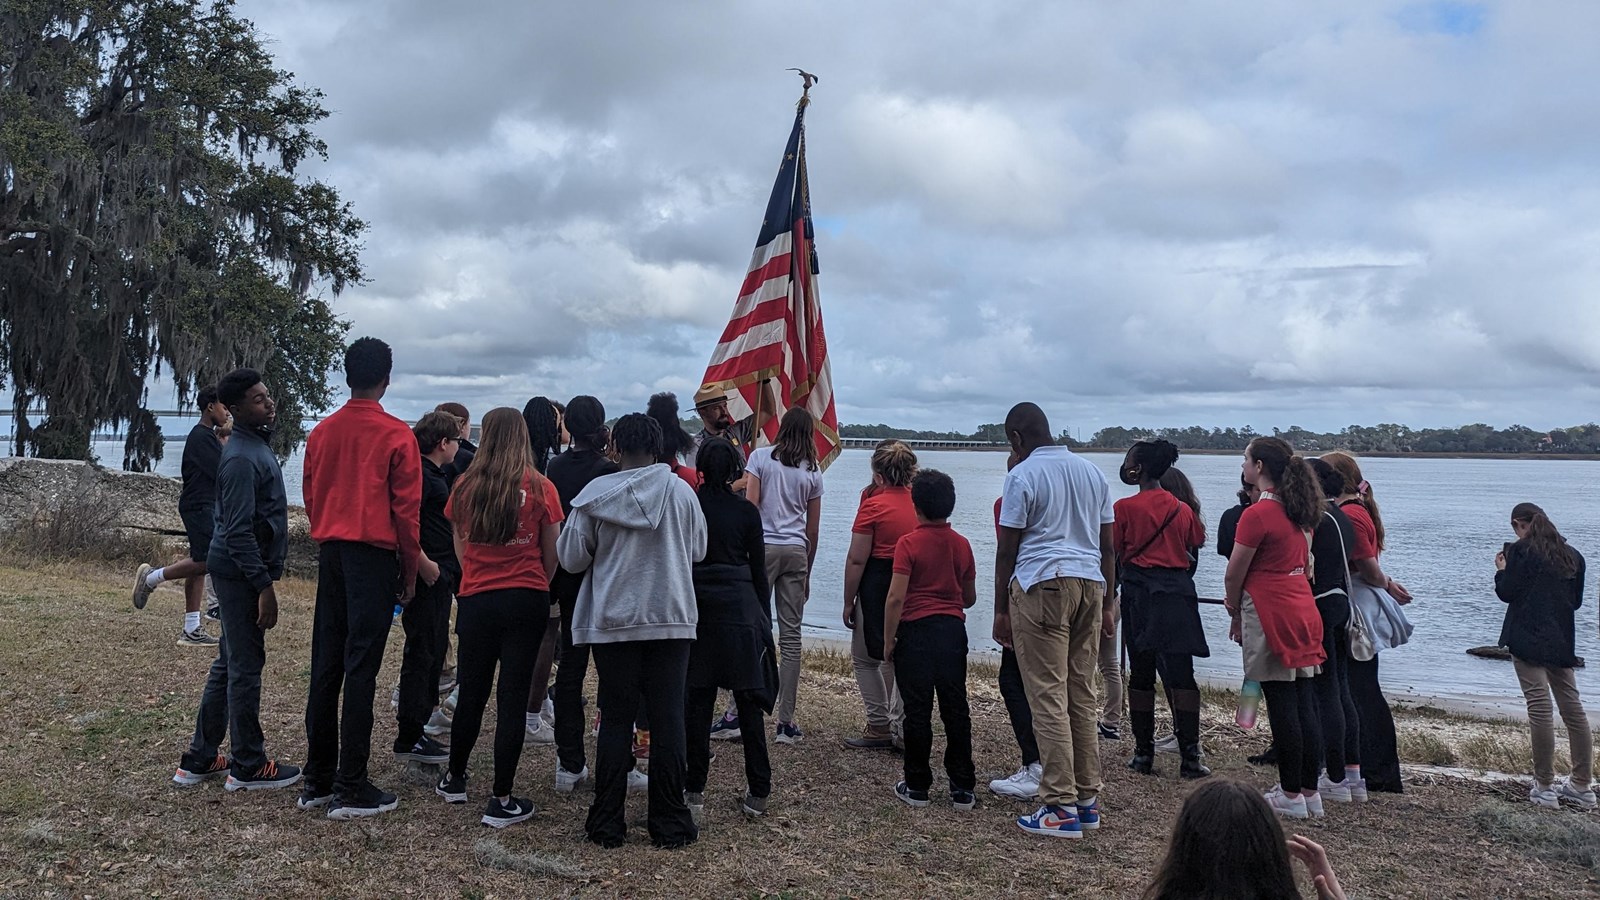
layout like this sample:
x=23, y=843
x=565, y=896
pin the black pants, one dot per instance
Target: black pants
x=1380, y=751
x=1017, y=708
x=1296, y=732
x=230, y=705
x=1341, y=724
x=874, y=595
x=930, y=659
x=1176, y=670
x=653, y=671
x=568, y=699
x=356, y=589
x=427, y=625
x=505, y=628
x=698, y=705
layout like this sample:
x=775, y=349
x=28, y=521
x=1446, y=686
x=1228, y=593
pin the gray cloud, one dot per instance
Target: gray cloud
x=1141, y=212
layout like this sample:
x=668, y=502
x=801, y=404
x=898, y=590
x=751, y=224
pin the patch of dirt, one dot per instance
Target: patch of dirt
x=101, y=703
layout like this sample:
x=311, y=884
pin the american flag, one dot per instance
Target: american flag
x=775, y=331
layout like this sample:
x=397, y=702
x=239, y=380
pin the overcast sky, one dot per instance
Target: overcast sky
x=1150, y=213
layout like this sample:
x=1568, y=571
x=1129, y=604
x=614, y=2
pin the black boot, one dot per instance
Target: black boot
x=1142, y=719
x=1186, y=723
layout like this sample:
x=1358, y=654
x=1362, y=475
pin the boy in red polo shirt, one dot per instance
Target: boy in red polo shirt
x=363, y=490
x=925, y=636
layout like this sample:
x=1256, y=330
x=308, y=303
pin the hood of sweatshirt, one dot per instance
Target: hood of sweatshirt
x=636, y=498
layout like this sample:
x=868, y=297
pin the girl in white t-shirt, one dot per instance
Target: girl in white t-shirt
x=785, y=483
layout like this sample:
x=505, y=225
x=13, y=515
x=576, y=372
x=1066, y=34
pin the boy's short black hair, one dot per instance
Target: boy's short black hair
x=637, y=433
x=232, y=387
x=367, y=363
x=933, y=494
x=206, y=397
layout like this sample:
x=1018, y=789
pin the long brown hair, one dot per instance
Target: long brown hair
x=795, y=443
x=1294, y=484
x=1347, y=467
x=489, y=497
x=1226, y=845
x=1543, y=542
x=895, y=462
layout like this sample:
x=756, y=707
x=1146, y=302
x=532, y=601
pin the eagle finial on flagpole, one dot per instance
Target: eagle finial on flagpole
x=807, y=79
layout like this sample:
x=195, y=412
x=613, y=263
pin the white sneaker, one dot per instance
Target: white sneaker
x=1581, y=799
x=1167, y=744
x=450, y=702
x=567, y=782
x=394, y=699
x=547, y=712
x=1333, y=792
x=1314, y=807
x=541, y=733
x=638, y=782
x=438, y=723
x=1544, y=795
x=1358, y=789
x=1284, y=805
x=1024, y=785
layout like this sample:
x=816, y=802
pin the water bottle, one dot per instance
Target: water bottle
x=1249, y=702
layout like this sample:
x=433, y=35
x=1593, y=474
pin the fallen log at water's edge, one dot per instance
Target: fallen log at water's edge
x=1501, y=653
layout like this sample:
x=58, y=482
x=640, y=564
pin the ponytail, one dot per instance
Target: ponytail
x=1347, y=467
x=1543, y=542
x=1296, y=486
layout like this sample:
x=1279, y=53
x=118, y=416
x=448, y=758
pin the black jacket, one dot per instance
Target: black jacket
x=202, y=453
x=572, y=471
x=437, y=537
x=1540, y=605
x=1226, y=529
x=730, y=584
x=465, y=451
x=251, y=536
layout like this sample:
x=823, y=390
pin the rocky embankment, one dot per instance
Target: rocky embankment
x=126, y=501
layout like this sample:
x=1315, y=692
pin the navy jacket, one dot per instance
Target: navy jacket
x=251, y=534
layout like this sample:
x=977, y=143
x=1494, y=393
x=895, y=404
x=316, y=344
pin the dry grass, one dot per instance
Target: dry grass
x=100, y=704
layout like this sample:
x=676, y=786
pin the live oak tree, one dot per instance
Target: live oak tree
x=153, y=220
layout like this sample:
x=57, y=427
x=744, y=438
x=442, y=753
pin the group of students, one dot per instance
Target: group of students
x=672, y=577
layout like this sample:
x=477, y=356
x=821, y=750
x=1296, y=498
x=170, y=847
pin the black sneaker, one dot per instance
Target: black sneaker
x=313, y=797
x=753, y=806
x=191, y=773
x=269, y=776
x=1108, y=732
x=453, y=788
x=425, y=750
x=915, y=799
x=963, y=800
x=499, y=815
x=370, y=801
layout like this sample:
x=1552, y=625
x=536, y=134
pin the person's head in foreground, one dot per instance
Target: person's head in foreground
x=1227, y=845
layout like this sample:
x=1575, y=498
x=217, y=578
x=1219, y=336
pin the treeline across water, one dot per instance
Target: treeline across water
x=1385, y=438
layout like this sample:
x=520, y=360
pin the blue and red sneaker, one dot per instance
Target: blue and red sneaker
x=1053, y=821
x=1089, y=816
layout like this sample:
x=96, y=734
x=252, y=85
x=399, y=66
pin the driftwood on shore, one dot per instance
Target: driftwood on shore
x=1501, y=653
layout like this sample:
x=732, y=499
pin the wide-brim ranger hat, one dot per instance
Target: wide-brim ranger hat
x=710, y=395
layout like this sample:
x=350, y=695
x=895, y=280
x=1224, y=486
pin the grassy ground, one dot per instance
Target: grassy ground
x=100, y=704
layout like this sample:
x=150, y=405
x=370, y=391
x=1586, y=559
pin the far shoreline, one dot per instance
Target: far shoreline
x=1368, y=454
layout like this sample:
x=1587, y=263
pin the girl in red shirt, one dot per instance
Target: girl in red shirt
x=1380, y=750
x=506, y=517
x=1155, y=537
x=886, y=514
x=1275, y=617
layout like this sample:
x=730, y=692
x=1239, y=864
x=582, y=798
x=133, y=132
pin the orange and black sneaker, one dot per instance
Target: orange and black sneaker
x=190, y=772
x=641, y=743
x=269, y=776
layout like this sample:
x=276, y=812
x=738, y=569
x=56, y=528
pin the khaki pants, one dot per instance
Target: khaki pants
x=876, y=681
x=1111, y=678
x=1538, y=683
x=1055, y=630
x=790, y=577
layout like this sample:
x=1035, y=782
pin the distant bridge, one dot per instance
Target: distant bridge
x=919, y=444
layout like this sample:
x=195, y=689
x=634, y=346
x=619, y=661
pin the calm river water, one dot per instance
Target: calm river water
x=1446, y=518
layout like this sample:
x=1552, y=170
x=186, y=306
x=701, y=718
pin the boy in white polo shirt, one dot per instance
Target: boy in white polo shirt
x=1050, y=578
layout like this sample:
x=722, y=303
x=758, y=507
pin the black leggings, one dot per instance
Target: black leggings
x=504, y=627
x=1380, y=751
x=1341, y=726
x=1017, y=708
x=1296, y=732
x=1176, y=669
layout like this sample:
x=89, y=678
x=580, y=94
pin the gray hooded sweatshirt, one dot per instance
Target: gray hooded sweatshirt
x=639, y=532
